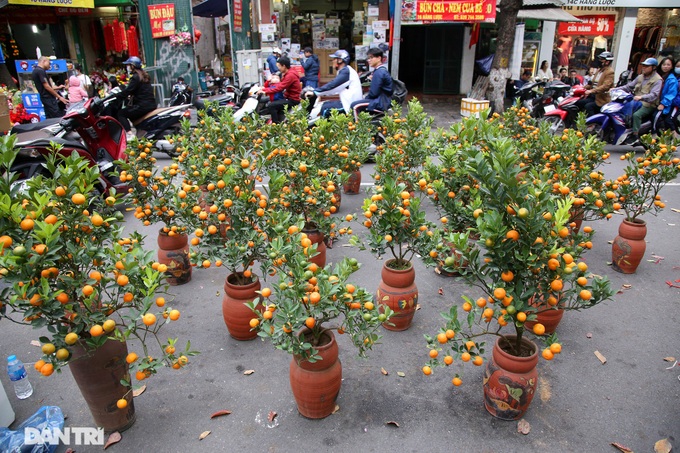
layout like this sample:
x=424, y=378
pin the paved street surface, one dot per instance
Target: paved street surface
x=582, y=405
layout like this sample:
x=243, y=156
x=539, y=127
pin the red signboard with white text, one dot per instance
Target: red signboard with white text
x=591, y=26
x=162, y=19
x=455, y=10
x=238, y=16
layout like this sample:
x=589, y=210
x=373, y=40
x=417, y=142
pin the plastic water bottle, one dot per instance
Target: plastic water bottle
x=17, y=374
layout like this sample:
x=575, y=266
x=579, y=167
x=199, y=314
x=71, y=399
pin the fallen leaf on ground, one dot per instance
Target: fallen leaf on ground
x=589, y=335
x=384, y=371
x=220, y=413
x=272, y=415
x=441, y=291
x=203, y=435
x=675, y=210
x=601, y=357
x=139, y=391
x=417, y=307
x=393, y=423
x=36, y=343
x=626, y=285
x=622, y=448
x=248, y=372
x=401, y=374
x=437, y=271
x=662, y=446
x=114, y=438
x=669, y=359
x=523, y=427
x=335, y=409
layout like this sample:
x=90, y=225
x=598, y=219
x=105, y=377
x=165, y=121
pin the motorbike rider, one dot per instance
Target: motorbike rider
x=646, y=89
x=140, y=91
x=379, y=95
x=346, y=84
x=290, y=86
x=669, y=91
x=597, y=90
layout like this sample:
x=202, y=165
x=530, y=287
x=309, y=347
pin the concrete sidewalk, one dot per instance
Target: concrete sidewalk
x=582, y=405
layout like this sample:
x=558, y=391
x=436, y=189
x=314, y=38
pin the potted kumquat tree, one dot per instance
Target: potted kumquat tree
x=304, y=307
x=526, y=261
x=66, y=267
x=637, y=193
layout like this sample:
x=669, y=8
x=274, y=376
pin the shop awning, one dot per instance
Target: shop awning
x=552, y=14
x=98, y=3
x=211, y=8
x=73, y=4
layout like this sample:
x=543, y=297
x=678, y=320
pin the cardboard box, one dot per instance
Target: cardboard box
x=469, y=106
x=5, y=124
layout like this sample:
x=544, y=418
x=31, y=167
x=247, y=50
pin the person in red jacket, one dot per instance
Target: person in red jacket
x=290, y=86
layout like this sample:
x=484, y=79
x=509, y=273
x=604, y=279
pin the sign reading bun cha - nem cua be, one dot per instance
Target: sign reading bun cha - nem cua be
x=59, y=3
x=448, y=10
x=162, y=18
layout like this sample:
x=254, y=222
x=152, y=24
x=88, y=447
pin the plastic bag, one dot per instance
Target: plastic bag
x=13, y=441
x=484, y=64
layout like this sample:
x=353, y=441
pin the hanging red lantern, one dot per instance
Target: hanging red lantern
x=108, y=38
x=133, y=46
x=197, y=34
x=117, y=38
x=123, y=36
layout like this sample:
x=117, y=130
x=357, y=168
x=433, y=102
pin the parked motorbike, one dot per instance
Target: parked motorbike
x=181, y=94
x=97, y=138
x=528, y=92
x=552, y=91
x=566, y=112
x=251, y=102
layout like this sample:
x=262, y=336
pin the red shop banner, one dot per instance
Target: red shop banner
x=238, y=16
x=162, y=18
x=456, y=11
x=591, y=26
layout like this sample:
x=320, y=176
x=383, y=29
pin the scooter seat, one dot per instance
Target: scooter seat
x=43, y=142
x=29, y=127
x=149, y=115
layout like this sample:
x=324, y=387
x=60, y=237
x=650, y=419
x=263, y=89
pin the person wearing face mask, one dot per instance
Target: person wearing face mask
x=646, y=89
x=140, y=92
x=669, y=91
x=672, y=118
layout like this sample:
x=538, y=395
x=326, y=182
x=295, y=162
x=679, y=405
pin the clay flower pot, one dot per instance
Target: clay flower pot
x=510, y=381
x=629, y=246
x=353, y=184
x=173, y=251
x=316, y=385
x=236, y=314
x=317, y=237
x=397, y=289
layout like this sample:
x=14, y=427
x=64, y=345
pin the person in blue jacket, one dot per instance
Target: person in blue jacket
x=272, y=59
x=669, y=91
x=311, y=66
x=379, y=95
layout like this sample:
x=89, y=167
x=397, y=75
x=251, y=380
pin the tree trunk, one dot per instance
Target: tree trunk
x=506, y=21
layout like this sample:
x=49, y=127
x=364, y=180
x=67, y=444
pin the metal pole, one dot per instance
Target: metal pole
x=396, y=39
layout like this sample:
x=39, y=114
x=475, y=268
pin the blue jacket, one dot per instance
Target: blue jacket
x=669, y=93
x=311, y=66
x=380, y=93
x=271, y=61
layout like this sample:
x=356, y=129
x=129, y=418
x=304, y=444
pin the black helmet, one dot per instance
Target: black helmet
x=341, y=54
x=136, y=62
x=606, y=56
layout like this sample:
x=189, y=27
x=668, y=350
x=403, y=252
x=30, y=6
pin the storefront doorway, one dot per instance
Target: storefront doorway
x=430, y=60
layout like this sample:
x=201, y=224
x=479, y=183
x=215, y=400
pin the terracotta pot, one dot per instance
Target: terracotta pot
x=549, y=316
x=338, y=198
x=204, y=197
x=316, y=385
x=353, y=184
x=397, y=290
x=576, y=217
x=510, y=381
x=173, y=251
x=317, y=238
x=629, y=246
x=236, y=314
x=97, y=373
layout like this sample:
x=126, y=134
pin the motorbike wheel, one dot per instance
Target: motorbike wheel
x=556, y=125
